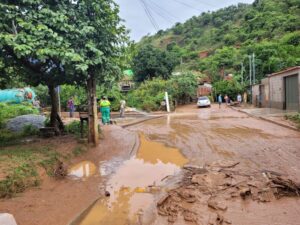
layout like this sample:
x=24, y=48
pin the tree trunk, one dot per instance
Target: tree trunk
x=93, y=136
x=55, y=120
x=54, y=108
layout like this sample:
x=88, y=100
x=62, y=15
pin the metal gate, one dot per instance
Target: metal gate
x=292, y=92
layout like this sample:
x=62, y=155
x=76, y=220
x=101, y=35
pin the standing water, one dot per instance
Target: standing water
x=134, y=183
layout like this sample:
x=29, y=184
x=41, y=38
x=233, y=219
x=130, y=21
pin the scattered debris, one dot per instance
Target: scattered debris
x=60, y=170
x=217, y=183
x=245, y=192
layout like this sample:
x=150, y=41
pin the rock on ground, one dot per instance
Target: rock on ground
x=17, y=124
x=7, y=219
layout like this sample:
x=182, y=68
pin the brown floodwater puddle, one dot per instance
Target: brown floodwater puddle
x=82, y=170
x=133, y=186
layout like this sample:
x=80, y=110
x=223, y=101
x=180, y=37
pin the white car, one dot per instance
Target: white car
x=203, y=102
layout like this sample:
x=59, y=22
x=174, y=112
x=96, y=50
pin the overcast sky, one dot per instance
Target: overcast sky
x=165, y=13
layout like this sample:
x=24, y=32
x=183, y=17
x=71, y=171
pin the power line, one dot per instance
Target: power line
x=187, y=5
x=149, y=15
x=205, y=3
x=162, y=15
x=164, y=10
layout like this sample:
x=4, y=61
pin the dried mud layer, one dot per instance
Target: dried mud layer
x=213, y=194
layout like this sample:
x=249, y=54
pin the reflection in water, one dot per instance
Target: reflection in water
x=129, y=186
x=82, y=170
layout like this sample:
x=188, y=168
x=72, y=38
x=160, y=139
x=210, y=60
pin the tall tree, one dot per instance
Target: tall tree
x=60, y=42
x=34, y=43
x=99, y=43
x=152, y=62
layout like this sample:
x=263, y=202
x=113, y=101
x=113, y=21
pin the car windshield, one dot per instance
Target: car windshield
x=202, y=98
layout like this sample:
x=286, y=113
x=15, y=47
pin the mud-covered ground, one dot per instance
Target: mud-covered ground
x=195, y=166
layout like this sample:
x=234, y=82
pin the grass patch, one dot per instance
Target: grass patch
x=78, y=151
x=74, y=128
x=8, y=137
x=20, y=165
x=294, y=118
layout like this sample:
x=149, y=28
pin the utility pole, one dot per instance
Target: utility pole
x=253, y=68
x=250, y=70
x=242, y=72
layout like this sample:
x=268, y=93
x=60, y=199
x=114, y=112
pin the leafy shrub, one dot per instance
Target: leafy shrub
x=29, y=130
x=74, y=128
x=295, y=118
x=8, y=111
x=149, y=95
x=228, y=87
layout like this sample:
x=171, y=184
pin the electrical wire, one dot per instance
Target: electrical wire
x=161, y=14
x=166, y=12
x=187, y=5
x=149, y=15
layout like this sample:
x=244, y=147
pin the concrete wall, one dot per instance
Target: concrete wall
x=255, y=94
x=265, y=95
x=276, y=91
x=277, y=88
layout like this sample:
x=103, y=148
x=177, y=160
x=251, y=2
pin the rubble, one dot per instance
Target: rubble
x=220, y=182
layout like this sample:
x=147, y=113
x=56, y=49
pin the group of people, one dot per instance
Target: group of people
x=104, y=105
x=228, y=100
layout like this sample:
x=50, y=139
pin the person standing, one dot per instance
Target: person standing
x=122, y=108
x=239, y=98
x=226, y=98
x=220, y=100
x=71, y=106
x=105, y=110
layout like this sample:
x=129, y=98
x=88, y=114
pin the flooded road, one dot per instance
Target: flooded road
x=201, y=137
x=133, y=184
x=134, y=168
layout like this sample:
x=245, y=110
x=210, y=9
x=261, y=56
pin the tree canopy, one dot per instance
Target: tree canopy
x=150, y=62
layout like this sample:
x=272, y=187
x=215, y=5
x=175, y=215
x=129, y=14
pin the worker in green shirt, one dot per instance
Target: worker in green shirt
x=105, y=110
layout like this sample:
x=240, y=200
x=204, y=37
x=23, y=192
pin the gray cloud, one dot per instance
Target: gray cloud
x=165, y=12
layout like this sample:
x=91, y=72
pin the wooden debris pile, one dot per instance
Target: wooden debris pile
x=214, y=185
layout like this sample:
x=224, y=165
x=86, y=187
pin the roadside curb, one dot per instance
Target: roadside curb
x=141, y=121
x=265, y=119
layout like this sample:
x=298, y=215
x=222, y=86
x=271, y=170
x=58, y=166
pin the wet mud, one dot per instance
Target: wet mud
x=209, y=136
x=133, y=186
x=82, y=170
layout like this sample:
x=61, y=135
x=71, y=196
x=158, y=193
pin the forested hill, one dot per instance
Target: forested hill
x=268, y=28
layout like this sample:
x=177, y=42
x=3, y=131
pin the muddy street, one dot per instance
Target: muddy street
x=200, y=137
x=194, y=166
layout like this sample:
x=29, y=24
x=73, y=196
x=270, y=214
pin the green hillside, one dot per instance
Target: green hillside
x=268, y=28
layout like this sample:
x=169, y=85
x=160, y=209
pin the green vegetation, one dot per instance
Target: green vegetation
x=78, y=151
x=149, y=95
x=74, y=128
x=63, y=42
x=295, y=118
x=8, y=111
x=20, y=164
x=151, y=62
x=231, y=88
x=268, y=28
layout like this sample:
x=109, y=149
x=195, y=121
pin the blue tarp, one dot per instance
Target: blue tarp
x=17, y=95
